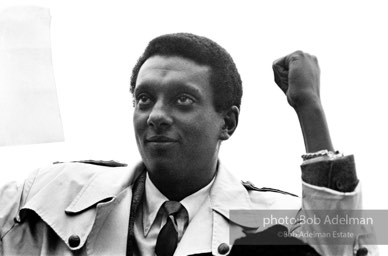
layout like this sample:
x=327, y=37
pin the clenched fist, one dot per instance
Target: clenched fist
x=297, y=74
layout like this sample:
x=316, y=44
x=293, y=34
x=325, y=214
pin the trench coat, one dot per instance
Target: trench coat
x=85, y=209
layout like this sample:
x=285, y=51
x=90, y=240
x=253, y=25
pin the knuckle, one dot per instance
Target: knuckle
x=298, y=52
x=278, y=70
x=277, y=62
x=295, y=56
x=300, y=55
x=275, y=68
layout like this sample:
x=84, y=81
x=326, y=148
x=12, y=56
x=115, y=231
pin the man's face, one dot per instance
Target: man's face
x=176, y=126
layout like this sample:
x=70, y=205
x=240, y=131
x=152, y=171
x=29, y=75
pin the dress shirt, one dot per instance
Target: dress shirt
x=150, y=219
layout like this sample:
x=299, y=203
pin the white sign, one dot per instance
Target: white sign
x=29, y=111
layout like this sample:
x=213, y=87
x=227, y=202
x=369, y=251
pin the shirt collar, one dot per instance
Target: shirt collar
x=154, y=200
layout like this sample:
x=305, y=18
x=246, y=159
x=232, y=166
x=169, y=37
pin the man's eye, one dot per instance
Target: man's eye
x=143, y=99
x=185, y=100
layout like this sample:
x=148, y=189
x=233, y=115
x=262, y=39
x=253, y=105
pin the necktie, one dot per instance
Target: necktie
x=168, y=237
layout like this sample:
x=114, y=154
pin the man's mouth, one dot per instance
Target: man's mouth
x=159, y=139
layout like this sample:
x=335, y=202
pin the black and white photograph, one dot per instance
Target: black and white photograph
x=193, y=127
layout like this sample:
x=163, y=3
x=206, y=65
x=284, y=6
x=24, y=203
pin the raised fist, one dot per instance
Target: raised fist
x=297, y=74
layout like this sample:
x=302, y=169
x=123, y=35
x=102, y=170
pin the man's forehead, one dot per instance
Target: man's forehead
x=160, y=62
x=161, y=66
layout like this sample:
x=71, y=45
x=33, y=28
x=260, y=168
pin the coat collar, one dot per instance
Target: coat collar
x=74, y=188
x=77, y=188
x=104, y=187
x=214, y=225
x=228, y=195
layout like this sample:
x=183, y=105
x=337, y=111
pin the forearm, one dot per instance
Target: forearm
x=339, y=174
x=298, y=75
x=314, y=127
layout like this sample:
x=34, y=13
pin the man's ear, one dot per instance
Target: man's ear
x=230, y=122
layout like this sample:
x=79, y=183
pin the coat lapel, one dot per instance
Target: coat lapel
x=228, y=194
x=212, y=226
x=66, y=196
x=137, y=197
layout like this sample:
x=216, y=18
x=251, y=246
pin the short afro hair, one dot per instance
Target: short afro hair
x=225, y=79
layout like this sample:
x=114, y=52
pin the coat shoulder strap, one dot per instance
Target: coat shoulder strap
x=249, y=186
x=109, y=163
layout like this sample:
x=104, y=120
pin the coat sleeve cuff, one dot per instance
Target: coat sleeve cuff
x=338, y=174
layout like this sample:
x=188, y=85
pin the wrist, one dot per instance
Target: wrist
x=308, y=105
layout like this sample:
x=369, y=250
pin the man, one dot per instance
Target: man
x=187, y=95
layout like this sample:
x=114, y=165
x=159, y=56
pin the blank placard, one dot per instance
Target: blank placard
x=29, y=110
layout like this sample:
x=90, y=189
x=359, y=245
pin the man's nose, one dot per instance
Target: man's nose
x=160, y=116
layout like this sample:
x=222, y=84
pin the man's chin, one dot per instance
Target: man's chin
x=161, y=164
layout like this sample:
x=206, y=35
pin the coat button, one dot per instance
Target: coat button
x=362, y=252
x=339, y=185
x=74, y=241
x=223, y=248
